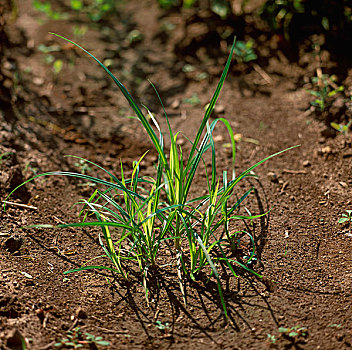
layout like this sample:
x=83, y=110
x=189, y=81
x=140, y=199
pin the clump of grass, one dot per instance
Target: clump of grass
x=146, y=212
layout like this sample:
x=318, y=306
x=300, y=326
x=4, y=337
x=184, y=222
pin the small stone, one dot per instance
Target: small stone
x=218, y=138
x=306, y=163
x=81, y=109
x=80, y=313
x=38, y=81
x=180, y=141
x=343, y=184
x=339, y=102
x=41, y=314
x=7, y=83
x=8, y=65
x=339, y=336
x=325, y=150
x=13, y=244
x=15, y=340
x=67, y=88
x=347, y=154
x=175, y=104
x=273, y=177
x=219, y=109
x=30, y=44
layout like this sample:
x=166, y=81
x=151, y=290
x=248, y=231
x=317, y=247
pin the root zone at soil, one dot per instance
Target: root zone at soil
x=56, y=102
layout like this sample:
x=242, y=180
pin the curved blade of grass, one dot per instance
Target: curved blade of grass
x=233, y=183
x=125, y=216
x=233, y=143
x=212, y=102
x=82, y=224
x=97, y=267
x=118, y=186
x=212, y=266
x=96, y=165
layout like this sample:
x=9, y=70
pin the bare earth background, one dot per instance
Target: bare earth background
x=303, y=253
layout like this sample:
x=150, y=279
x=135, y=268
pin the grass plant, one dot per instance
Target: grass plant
x=139, y=214
x=325, y=91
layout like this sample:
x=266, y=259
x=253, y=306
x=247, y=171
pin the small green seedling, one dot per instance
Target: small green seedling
x=83, y=166
x=57, y=64
x=219, y=7
x=335, y=325
x=272, y=339
x=45, y=7
x=194, y=100
x=167, y=3
x=134, y=36
x=346, y=217
x=96, y=9
x=343, y=128
x=162, y=326
x=79, y=31
x=5, y=156
x=173, y=3
x=278, y=14
x=294, y=332
x=76, y=340
x=244, y=51
x=325, y=91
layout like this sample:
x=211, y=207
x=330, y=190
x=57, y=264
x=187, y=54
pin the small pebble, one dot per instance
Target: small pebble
x=324, y=150
x=218, y=138
x=15, y=340
x=38, y=81
x=273, y=177
x=347, y=154
x=80, y=313
x=13, y=244
x=219, y=109
x=175, y=104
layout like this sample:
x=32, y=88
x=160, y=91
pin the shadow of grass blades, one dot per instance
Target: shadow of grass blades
x=144, y=222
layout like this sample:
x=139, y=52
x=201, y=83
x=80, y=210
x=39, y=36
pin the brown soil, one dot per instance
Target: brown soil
x=303, y=253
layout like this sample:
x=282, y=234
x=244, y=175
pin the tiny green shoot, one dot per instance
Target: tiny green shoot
x=76, y=339
x=325, y=91
x=244, y=51
x=162, y=326
x=194, y=100
x=272, y=339
x=46, y=8
x=346, y=217
x=343, y=128
x=294, y=332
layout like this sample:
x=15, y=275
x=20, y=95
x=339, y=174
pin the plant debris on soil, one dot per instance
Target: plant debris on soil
x=54, y=102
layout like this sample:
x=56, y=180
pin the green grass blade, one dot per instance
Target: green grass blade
x=96, y=165
x=233, y=183
x=212, y=102
x=97, y=267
